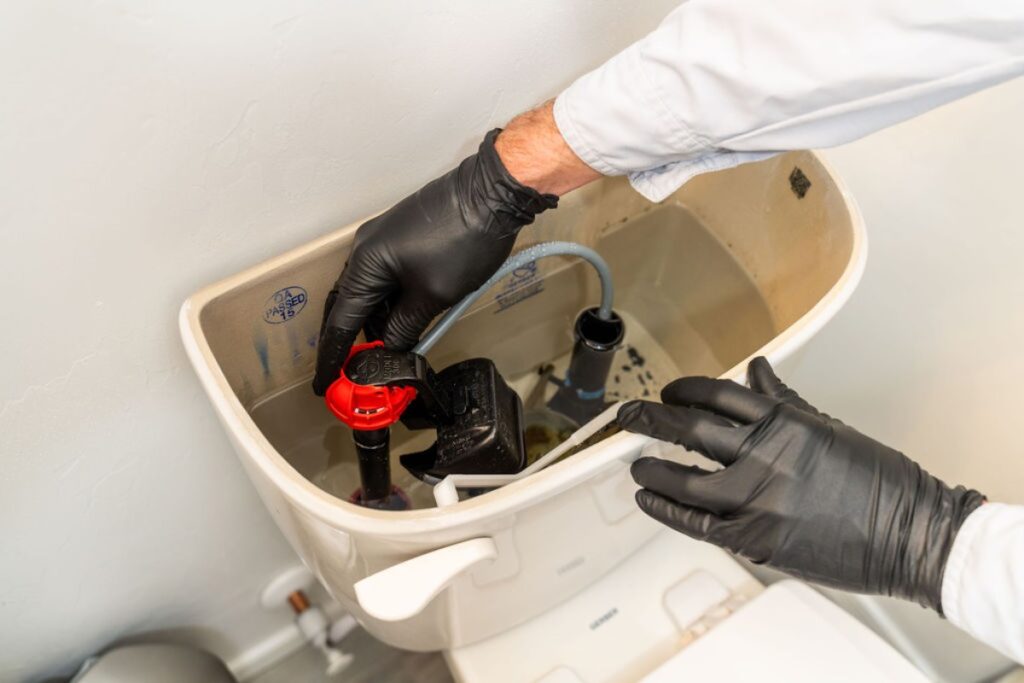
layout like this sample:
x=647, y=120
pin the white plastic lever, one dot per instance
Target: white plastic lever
x=402, y=591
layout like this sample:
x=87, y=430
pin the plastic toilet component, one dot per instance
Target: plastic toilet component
x=693, y=597
x=373, y=391
x=598, y=330
x=617, y=630
x=792, y=633
x=484, y=433
x=446, y=493
x=581, y=396
x=370, y=407
x=373, y=453
x=478, y=418
x=683, y=610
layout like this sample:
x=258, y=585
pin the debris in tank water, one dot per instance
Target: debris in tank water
x=643, y=382
x=635, y=358
x=649, y=375
x=647, y=392
x=616, y=379
x=626, y=368
x=544, y=430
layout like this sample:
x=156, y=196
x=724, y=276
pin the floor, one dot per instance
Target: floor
x=373, y=662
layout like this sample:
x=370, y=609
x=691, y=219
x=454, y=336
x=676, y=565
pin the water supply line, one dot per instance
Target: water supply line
x=320, y=626
x=320, y=632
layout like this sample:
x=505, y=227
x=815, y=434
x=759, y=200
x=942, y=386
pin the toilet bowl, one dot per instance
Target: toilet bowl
x=733, y=265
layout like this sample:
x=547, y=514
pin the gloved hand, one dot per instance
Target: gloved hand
x=799, y=491
x=423, y=255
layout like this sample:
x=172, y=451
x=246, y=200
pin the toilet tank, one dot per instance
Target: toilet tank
x=749, y=261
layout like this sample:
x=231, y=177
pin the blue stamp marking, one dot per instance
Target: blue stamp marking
x=284, y=304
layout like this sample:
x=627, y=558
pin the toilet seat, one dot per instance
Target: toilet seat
x=791, y=633
x=681, y=610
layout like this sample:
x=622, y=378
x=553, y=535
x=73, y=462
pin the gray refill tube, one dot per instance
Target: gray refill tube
x=537, y=251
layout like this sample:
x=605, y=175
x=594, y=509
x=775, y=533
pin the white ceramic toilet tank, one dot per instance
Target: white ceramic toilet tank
x=735, y=264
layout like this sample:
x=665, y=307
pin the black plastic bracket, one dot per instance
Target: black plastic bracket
x=383, y=367
x=478, y=417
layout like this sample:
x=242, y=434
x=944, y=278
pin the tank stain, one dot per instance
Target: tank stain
x=264, y=355
x=799, y=183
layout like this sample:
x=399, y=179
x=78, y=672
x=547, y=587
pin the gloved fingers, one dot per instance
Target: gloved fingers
x=328, y=348
x=688, y=485
x=762, y=379
x=351, y=303
x=332, y=296
x=697, y=430
x=407, y=322
x=331, y=353
x=720, y=396
x=377, y=320
x=697, y=524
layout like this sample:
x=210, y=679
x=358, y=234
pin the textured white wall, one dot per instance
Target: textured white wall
x=928, y=355
x=147, y=149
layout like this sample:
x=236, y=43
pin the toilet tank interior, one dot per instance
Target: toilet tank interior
x=703, y=280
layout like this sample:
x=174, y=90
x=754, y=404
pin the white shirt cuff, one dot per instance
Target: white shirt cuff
x=655, y=184
x=983, y=584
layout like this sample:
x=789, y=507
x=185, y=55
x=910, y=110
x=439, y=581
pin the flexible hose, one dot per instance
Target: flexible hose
x=515, y=262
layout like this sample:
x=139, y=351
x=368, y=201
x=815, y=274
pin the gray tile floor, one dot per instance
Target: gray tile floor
x=374, y=662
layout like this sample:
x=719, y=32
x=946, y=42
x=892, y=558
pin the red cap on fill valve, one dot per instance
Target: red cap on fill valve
x=366, y=407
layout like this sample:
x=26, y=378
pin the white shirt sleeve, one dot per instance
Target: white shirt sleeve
x=983, y=586
x=722, y=82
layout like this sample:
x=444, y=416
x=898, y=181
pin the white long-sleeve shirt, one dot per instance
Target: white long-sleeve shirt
x=723, y=82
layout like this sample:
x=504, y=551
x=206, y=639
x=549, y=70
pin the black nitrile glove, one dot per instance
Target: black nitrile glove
x=423, y=255
x=799, y=491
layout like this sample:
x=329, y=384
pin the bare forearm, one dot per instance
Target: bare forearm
x=534, y=152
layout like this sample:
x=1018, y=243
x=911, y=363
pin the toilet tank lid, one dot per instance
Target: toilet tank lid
x=793, y=633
